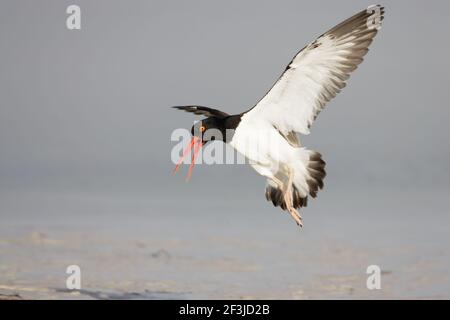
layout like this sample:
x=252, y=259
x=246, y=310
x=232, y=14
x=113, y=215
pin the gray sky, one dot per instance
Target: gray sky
x=90, y=108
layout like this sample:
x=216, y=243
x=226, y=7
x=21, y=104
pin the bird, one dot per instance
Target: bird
x=267, y=134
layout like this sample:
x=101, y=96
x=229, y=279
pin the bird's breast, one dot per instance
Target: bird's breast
x=260, y=143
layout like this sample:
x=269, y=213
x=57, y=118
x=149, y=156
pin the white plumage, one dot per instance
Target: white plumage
x=266, y=134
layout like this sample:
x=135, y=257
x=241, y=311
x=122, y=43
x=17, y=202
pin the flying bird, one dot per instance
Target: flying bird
x=267, y=134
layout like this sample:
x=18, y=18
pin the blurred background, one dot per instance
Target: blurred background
x=85, y=168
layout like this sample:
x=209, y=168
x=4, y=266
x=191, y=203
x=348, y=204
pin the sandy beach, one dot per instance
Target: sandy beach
x=135, y=247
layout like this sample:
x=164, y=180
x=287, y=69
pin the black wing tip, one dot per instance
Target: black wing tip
x=201, y=110
x=185, y=108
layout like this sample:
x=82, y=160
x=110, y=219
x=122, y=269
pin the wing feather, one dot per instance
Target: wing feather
x=205, y=111
x=318, y=73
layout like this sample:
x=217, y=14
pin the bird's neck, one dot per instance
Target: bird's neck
x=230, y=125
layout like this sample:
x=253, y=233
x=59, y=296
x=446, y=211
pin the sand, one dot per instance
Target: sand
x=136, y=246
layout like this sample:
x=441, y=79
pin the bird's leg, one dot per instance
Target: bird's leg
x=287, y=194
x=289, y=201
x=280, y=185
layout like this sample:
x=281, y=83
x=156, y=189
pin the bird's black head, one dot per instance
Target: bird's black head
x=209, y=129
x=202, y=131
x=214, y=127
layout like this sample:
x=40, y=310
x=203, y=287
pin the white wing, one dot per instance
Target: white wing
x=317, y=74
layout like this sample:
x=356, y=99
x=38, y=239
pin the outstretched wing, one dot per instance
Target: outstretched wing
x=317, y=74
x=205, y=111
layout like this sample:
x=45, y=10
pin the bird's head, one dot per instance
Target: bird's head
x=203, y=131
x=207, y=130
x=211, y=128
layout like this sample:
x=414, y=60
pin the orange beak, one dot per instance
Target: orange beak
x=196, y=144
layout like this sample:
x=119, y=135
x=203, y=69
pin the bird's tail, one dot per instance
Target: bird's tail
x=308, y=173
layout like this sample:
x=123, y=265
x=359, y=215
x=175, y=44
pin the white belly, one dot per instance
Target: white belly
x=263, y=146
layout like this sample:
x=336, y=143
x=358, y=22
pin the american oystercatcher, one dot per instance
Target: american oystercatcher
x=267, y=133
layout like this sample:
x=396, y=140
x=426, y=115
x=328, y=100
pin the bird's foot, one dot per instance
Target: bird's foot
x=290, y=208
x=296, y=216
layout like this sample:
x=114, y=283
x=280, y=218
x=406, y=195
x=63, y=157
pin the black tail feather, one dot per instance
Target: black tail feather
x=316, y=170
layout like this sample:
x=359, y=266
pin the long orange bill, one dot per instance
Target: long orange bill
x=185, y=153
x=198, y=146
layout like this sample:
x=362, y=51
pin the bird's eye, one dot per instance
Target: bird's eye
x=202, y=129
